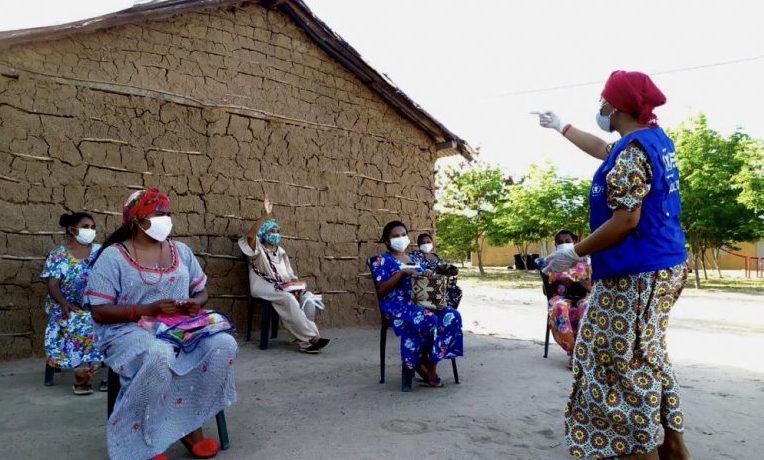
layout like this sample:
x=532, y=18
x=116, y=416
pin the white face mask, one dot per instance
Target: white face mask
x=160, y=228
x=85, y=235
x=426, y=248
x=565, y=246
x=603, y=121
x=400, y=243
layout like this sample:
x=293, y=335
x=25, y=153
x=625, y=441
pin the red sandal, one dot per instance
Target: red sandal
x=161, y=456
x=204, y=448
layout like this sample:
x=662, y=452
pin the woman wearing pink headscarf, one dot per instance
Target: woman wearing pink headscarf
x=625, y=389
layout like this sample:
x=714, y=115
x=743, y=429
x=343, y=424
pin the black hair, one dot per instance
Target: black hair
x=120, y=235
x=389, y=228
x=73, y=219
x=423, y=236
x=565, y=231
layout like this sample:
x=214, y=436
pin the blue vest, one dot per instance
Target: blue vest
x=658, y=240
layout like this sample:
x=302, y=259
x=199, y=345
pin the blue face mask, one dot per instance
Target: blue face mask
x=273, y=238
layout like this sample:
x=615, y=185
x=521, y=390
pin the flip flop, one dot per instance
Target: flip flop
x=204, y=448
x=161, y=456
x=435, y=383
x=82, y=390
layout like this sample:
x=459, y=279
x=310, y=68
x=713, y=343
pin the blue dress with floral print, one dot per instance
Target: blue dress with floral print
x=433, y=335
x=69, y=342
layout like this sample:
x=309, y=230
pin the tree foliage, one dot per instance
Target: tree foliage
x=473, y=193
x=539, y=205
x=720, y=186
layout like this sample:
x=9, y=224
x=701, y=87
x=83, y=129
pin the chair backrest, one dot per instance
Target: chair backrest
x=369, y=261
x=545, y=285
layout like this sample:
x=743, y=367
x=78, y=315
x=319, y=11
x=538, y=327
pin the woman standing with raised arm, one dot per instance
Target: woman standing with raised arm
x=625, y=389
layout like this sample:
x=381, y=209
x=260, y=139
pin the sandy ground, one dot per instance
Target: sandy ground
x=509, y=404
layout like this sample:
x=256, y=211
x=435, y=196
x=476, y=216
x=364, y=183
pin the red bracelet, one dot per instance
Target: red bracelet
x=565, y=129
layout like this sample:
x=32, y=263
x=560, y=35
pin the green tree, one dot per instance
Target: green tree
x=474, y=191
x=714, y=172
x=539, y=205
x=454, y=236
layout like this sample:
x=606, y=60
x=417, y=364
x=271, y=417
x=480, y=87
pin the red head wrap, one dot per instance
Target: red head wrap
x=635, y=94
x=143, y=203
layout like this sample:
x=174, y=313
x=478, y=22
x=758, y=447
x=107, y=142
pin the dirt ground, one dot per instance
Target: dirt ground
x=509, y=403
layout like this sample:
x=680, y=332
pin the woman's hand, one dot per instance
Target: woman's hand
x=428, y=274
x=267, y=205
x=66, y=308
x=550, y=120
x=560, y=260
x=165, y=306
x=411, y=271
x=188, y=307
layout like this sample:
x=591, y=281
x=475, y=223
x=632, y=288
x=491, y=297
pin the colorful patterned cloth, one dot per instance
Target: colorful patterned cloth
x=165, y=393
x=565, y=311
x=69, y=342
x=625, y=388
x=454, y=292
x=434, y=335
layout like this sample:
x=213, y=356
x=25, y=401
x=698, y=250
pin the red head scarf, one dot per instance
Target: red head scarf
x=143, y=203
x=635, y=94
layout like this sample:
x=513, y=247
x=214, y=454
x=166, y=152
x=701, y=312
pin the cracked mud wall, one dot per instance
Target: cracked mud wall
x=217, y=108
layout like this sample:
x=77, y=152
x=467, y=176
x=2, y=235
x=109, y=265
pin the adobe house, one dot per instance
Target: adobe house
x=217, y=103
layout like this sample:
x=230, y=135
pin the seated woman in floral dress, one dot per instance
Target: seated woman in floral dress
x=167, y=394
x=69, y=335
x=425, y=256
x=570, y=296
x=427, y=336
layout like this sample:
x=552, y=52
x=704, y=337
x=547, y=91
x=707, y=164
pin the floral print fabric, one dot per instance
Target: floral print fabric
x=69, y=342
x=429, y=334
x=566, y=311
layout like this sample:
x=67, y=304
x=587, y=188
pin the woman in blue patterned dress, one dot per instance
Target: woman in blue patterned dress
x=427, y=336
x=425, y=256
x=166, y=394
x=69, y=335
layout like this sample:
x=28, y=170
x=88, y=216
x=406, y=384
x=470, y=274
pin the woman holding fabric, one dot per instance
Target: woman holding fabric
x=69, y=335
x=271, y=278
x=425, y=256
x=625, y=389
x=427, y=336
x=166, y=394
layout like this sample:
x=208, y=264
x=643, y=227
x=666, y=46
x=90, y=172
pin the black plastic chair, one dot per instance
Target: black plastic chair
x=548, y=294
x=407, y=375
x=269, y=321
x=50, y=372
x=111, y=398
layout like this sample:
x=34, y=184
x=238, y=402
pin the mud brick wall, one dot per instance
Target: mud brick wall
x=218, y=108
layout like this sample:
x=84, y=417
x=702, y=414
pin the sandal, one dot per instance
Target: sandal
x=204, y=448
x=82, y=390
x=161, y=456
x=433, y=383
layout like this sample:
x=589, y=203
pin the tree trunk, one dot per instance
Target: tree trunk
x=479, y=251
x=703, y=263
x=697, y=275
x=715, y=254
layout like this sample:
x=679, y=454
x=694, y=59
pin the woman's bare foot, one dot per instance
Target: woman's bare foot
x=673, y=447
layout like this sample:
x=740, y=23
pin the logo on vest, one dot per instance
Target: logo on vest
x=597, y=189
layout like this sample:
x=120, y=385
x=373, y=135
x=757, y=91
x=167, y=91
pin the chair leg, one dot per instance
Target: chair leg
x=50, y=371
x=546, y=341
x=265, y=324
x=456, y=372
x=222, y=431
x=407, y=378
x=382, y=346
x=250, y=317
x=111, y=395
x=274, y=321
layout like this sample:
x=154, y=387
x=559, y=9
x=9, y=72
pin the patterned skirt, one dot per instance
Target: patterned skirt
x=625, y=388
x=69, y=342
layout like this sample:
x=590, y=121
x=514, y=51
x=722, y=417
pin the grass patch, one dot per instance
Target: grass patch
x=731, y=280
